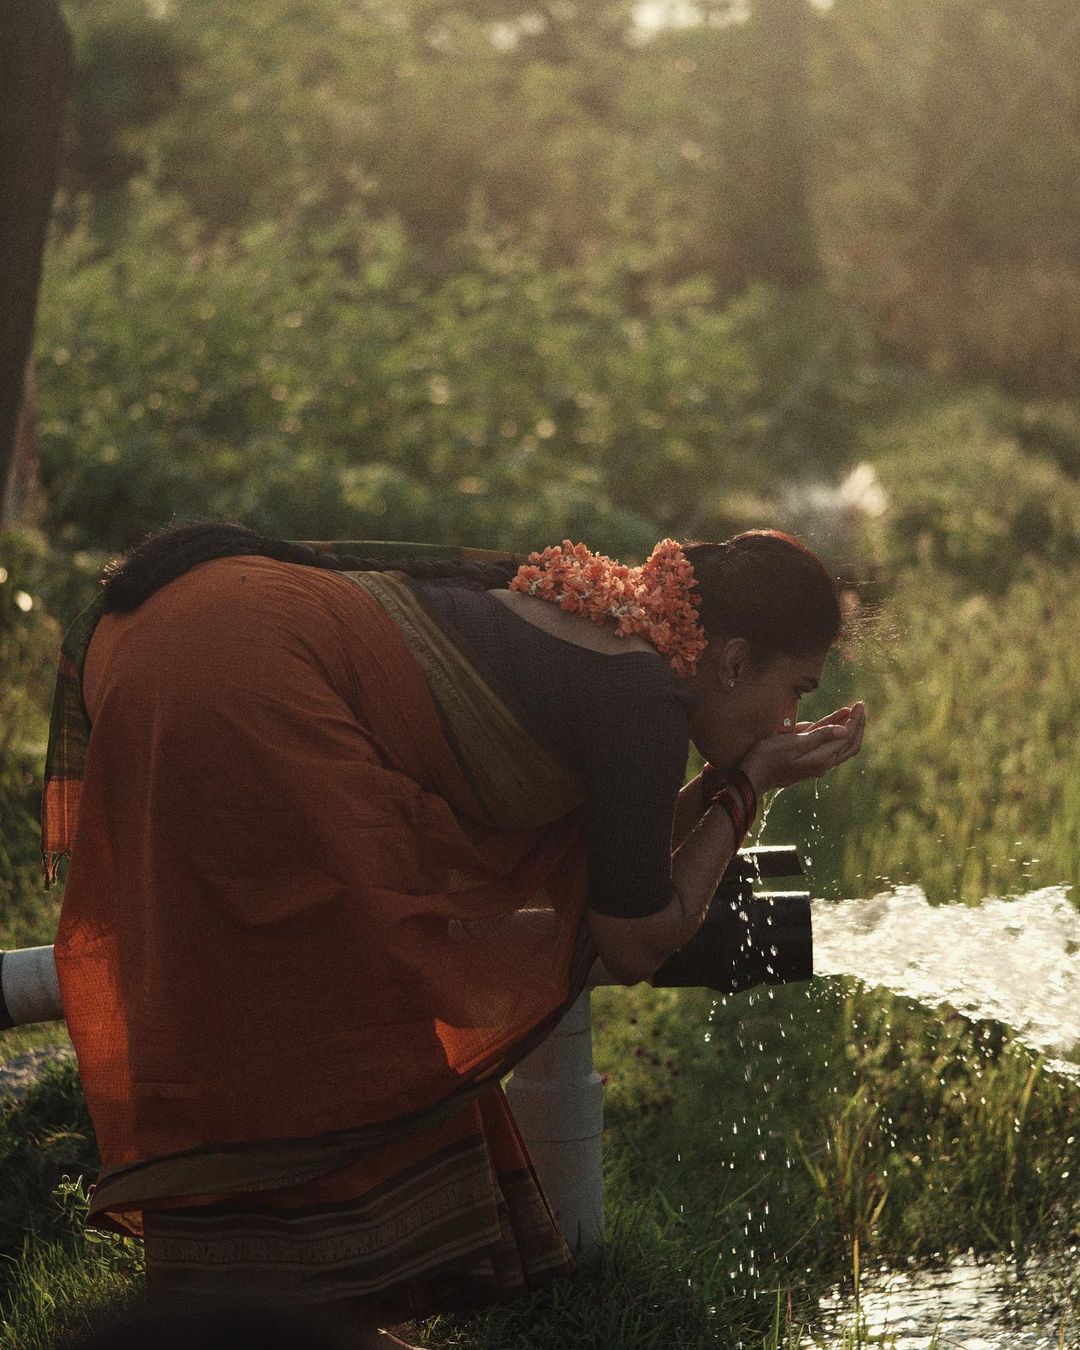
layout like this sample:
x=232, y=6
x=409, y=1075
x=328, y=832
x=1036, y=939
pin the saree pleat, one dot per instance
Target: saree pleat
x=324, y=893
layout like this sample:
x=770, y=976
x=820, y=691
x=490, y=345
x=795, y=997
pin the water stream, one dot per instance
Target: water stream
x=1015, y=961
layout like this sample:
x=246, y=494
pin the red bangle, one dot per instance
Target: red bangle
x=729, y=800
x=739, y=780
x=737, y=796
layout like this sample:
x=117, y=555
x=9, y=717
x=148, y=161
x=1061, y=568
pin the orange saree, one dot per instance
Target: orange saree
x=324, y=892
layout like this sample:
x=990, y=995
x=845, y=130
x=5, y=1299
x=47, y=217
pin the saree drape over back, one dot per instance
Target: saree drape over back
x=324, y=892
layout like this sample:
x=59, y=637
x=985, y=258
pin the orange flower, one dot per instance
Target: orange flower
x=655, y=600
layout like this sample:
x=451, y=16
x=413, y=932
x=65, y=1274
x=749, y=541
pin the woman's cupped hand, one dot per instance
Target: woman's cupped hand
x=809, y=751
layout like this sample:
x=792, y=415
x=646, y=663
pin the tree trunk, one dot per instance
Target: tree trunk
x=35, y=68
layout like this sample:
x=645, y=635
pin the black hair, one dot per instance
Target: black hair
x=768, y=588
x=170, y=552
x=761, y=585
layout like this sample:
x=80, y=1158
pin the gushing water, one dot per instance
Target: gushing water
x=1016, y=961
x=1012, y=961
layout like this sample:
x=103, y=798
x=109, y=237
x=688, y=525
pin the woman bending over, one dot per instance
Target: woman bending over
x=347, y=835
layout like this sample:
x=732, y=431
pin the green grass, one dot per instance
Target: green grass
x=753, y=1145
x=62, y=1286
x=967, y=780
x=750, y=1144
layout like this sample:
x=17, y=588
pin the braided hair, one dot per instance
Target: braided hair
x=170, y=552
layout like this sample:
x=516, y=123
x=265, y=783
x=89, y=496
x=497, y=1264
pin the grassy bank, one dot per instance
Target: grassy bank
x=749, y=1143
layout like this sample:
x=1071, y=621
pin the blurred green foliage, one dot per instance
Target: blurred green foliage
x=934, y=149
x=494, y=272
x=39, y=594
x=480, y=274
x=968, y=499
x=328, y=393
x=130, y=66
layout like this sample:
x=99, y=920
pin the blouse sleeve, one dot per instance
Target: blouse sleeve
x=635, y=739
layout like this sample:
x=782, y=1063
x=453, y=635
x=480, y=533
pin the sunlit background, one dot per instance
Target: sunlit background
x=501, y=273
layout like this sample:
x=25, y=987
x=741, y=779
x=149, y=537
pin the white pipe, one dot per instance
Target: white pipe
x=30, y=989
x=556, y=1095
x=558, y=1101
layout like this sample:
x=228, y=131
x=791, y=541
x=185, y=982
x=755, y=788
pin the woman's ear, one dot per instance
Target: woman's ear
x=732, y=661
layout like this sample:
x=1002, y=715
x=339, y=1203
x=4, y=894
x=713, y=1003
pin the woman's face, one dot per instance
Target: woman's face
x=740, y=702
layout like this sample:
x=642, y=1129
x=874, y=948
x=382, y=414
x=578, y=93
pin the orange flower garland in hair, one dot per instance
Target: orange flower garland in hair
x=656, y=600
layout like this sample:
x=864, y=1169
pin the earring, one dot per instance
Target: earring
x=731, y=684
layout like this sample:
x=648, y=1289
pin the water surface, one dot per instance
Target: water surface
x=968, y=1305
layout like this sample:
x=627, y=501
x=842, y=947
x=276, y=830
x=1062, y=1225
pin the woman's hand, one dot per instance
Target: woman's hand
x=840, y=718
x=811, y=750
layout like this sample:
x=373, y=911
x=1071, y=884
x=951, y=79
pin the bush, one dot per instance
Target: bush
x=320, y=390
x=1051, y=430
x=43, y=1140
x=965, y=498
x=39, y=594
x=1013, y=323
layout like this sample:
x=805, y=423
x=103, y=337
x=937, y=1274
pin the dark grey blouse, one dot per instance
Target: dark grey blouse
x=620, y=723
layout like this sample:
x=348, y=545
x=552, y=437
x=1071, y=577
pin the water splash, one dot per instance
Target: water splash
x=766, y=807
x=1016, y=961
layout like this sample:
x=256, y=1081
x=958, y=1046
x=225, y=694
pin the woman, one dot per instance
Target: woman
x=347, y=837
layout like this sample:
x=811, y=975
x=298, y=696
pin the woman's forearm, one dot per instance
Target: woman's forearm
x=688, y=810
x=704, y=842
x=632, y=949
x=700, y=861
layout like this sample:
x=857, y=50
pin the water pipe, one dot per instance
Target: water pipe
x=748, y=938
x=29, y=989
